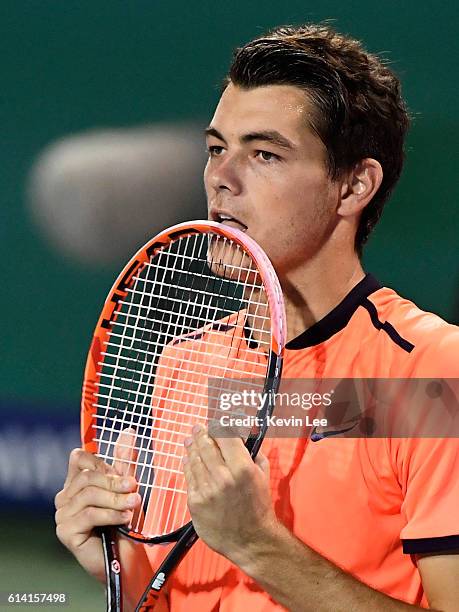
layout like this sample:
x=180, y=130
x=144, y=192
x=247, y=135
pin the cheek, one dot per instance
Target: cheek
x=310, y=202
x=292, y=202
x=297, y=223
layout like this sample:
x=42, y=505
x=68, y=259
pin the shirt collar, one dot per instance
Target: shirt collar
x=336, y=319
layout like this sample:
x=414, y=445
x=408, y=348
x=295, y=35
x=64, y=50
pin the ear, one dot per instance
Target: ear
x=359, y=186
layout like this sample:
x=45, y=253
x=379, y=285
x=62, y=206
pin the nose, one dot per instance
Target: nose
x=224, y=174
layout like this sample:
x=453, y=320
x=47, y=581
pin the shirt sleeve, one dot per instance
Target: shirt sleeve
x=428, y=471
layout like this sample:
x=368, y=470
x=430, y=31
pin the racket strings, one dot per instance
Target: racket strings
x=176, y=380
x=179, y=324
x=145, y=475
x=155, y=512
x=192, y=361
x=177, y=510
x=159, y=508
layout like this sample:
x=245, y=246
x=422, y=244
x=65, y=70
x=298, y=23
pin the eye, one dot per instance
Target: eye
x=267, y=156
x=214, y=150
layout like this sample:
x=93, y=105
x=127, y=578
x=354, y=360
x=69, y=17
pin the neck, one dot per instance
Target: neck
x=312, y=290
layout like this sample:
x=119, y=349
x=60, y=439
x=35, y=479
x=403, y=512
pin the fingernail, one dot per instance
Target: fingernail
x=131, y=500
x=126, y=484
x=196, y=429
x=185, y=459
x=188, y=442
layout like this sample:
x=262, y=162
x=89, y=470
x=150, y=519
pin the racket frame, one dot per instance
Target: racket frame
x=185, y=536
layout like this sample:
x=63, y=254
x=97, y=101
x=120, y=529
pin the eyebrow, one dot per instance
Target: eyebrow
x=272, y=136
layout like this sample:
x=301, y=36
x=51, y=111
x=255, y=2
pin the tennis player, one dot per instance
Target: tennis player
x=305, y=148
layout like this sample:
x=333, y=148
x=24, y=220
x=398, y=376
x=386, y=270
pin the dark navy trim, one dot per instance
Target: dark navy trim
x=222, y=327
x=316, y=436
x=430, y=545
x=387, y=327
x=338, y=318
x=251, y=342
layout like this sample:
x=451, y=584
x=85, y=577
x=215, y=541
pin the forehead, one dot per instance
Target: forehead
x=284, y=108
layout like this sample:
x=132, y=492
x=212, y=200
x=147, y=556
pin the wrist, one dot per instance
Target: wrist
x=261, y=549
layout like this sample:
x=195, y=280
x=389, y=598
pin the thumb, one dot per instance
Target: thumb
x=263, y=463
x=125, y=454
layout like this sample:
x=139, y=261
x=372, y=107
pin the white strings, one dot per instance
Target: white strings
x=194, y=323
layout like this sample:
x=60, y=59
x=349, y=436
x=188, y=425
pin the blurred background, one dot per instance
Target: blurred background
x=102, y=105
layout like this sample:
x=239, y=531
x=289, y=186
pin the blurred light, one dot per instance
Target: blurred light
x=99, y=196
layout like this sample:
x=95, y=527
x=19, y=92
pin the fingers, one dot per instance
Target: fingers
x=215, y=452
x=75, y=533
x=219, y=461
x=198, y=474
x=82, y=460
x=94, y=491
x=95, y=497
x=205, y=466
x=125, y=454
x=189, y=477
x=203, y=445
x=125, y=457
x=96, y=494
x=234, y=453
x=263, y=463
x=82, y=523
x=112, y=483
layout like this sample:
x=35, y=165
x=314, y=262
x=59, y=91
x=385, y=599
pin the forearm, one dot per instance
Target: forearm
x=302, y=580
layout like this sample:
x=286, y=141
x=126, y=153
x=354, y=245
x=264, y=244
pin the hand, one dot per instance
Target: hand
x=228, y=494
x=95, y=494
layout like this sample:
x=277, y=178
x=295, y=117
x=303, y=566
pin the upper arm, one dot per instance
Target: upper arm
x=429, y=470
x=440, y=580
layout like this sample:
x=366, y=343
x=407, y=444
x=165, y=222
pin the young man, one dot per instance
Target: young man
x=305, y=147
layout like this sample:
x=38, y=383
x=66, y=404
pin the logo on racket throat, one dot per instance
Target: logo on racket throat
x=159, y=581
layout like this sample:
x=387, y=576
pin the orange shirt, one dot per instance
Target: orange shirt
x=366, y=504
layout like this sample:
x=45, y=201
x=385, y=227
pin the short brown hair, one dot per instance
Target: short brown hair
x=361, y=111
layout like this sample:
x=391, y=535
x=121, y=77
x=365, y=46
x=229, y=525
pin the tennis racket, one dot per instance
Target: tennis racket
x=196, y=313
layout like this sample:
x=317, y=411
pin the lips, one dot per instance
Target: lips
x=226, y=219
x=234, y=223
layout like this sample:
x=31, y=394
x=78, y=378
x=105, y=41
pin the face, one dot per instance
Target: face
x=267, y=173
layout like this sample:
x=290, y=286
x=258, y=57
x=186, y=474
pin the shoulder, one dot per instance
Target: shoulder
x=433, y=342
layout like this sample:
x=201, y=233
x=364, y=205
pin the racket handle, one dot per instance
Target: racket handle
x=151, y=594
x=112, y=569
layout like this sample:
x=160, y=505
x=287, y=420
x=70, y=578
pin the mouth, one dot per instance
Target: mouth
x=226, y=219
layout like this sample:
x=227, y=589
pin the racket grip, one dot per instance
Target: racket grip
x=151, y=594
x=112, y=569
